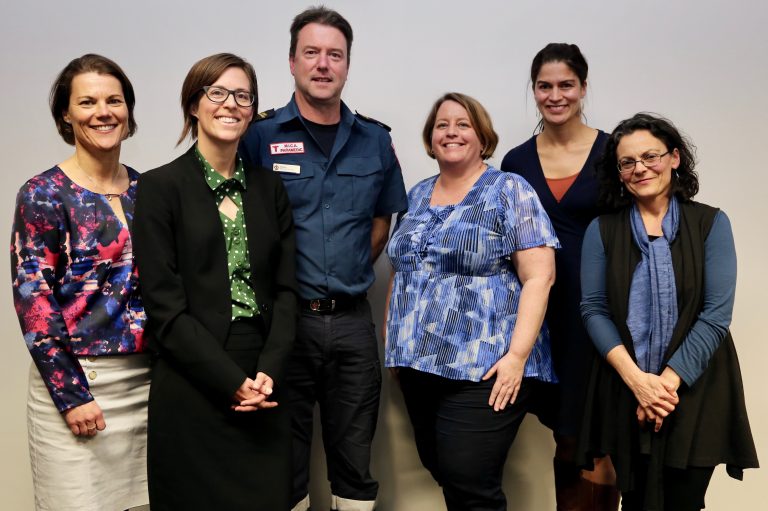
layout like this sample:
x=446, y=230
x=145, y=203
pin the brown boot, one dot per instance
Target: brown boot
x=574, y=493
x=604, y=497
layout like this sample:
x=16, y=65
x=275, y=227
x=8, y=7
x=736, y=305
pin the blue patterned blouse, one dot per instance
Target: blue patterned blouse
x=455, y=293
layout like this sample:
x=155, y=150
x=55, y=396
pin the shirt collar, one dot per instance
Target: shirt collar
x=214, y=179
x=291, y=112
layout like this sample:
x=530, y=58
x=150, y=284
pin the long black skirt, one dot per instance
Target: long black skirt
x=201, y=455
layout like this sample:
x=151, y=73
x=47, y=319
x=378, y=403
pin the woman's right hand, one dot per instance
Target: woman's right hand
x=254, y=394
x=85, y=420
x=656, y=396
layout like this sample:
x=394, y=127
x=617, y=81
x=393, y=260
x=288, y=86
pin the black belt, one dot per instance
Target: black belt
x=336, y=304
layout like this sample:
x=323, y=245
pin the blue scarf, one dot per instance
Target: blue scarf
x=652, y=295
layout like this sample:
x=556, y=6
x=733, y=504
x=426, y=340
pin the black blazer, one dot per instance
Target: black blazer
x=181, y=254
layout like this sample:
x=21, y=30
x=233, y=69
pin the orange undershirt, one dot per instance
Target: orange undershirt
x=558, y=186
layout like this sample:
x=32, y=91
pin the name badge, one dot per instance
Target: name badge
x=287, y=148
x=284, y=167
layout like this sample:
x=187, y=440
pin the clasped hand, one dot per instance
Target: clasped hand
x=253, y=394
x=657, y=398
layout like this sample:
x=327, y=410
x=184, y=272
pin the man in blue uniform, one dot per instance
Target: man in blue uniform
x=345, y=184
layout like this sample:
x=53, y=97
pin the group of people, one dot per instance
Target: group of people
x=184, y=322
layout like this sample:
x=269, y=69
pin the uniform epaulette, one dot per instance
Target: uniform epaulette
x=370, y=119
x=266, y=114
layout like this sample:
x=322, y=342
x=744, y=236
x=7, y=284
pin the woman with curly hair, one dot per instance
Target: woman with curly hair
x=665, y=401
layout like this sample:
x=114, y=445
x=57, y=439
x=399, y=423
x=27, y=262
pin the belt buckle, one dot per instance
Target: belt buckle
x=317, y=305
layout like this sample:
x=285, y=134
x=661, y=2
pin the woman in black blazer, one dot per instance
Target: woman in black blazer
x=215, y=249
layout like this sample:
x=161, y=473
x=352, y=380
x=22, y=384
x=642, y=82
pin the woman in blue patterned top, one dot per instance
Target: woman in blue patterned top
x=75, y=288
x=473, y=264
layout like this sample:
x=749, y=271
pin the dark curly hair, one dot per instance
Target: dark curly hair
x=685, y=181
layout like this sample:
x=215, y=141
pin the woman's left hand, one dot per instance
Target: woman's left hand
x=509, y=376
x=535, y=268
x=647, y=418
x=254, y=394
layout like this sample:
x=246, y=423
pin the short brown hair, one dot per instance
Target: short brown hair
x=478, y=116
x=205, y=72
x=61, y=90
x=322, y=16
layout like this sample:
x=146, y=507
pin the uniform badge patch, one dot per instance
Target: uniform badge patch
x=287, y=148
x=284, y=167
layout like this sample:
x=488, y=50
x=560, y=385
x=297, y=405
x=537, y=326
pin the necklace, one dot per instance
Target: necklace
x=107, y=195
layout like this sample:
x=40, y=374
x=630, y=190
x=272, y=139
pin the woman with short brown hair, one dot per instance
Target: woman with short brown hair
x=215, y=245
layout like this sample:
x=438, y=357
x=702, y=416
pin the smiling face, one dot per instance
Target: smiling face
x=647, y=185
x=320, y=64
x=97, y=112
x=454, y=140
x=224, y=123
x=558, y=93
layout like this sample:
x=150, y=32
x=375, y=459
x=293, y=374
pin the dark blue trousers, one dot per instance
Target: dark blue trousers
x=335, y=363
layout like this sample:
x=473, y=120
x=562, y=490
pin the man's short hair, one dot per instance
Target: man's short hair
x=323, y=16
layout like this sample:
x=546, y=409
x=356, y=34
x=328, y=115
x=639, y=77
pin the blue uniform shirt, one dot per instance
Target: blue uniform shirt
x=334, y=198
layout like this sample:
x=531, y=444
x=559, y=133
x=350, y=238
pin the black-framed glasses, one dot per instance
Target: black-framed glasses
x=649, y=161
x=220, y=94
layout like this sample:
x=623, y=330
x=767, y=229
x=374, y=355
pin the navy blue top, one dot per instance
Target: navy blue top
x=572, y=350
x=334, y=198
x=570, y=218
x=692, y=357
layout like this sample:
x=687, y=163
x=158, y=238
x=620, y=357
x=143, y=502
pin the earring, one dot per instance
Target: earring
x=621, y=192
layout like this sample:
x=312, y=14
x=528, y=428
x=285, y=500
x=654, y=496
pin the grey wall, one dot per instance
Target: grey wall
x=702, y=64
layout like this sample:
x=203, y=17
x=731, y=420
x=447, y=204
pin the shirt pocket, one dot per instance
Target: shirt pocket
x=360, y=183
x=298, y=187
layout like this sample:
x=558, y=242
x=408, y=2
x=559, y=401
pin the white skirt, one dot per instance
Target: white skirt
x=101, y=473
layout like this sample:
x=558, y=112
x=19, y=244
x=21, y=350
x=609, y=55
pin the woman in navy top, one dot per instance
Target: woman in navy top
x=658, y=279
x=473, y=263
x=76, y=292
x=559, y=163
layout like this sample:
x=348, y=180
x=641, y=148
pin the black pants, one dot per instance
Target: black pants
x=335, y=363
x=460, y=439
x=683, y=490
